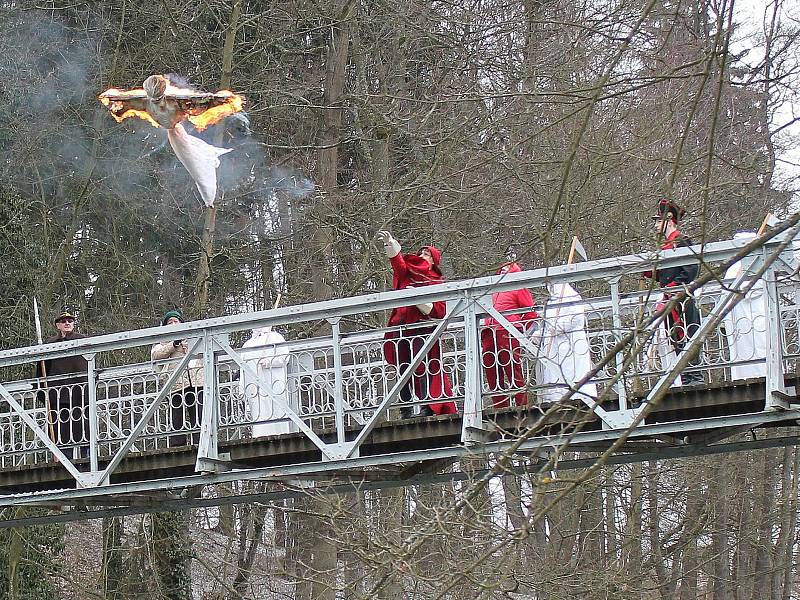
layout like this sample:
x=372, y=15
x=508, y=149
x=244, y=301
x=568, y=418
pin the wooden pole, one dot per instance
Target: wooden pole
x=571, y=256
x=277, y=301
x=765, y=224
x=38, y=323
x=50, y=427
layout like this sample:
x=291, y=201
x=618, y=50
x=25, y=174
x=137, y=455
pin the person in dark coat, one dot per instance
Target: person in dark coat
x=429, y=379
x=683, y=320
x=66, y=380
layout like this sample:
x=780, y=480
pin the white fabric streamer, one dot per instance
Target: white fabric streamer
x=200, y=159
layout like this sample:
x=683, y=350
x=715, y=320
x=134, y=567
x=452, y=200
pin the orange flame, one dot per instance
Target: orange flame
x=115, y=105
x=189, y=104
x=233, y=104
x=135, y=113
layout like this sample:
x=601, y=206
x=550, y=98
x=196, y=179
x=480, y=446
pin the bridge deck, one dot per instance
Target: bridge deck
x=700, y=410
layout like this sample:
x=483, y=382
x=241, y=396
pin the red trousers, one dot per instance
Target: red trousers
x=429, y=379
x=502, y=367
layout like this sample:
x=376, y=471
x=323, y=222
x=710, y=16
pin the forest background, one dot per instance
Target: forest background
x=490, y=129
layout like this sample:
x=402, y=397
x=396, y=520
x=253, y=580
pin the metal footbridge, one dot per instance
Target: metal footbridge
x=319, y=406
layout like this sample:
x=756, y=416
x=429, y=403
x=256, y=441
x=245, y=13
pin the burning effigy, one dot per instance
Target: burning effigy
x=163, y=104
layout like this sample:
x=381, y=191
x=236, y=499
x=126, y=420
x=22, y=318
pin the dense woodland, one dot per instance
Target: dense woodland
x=489, y=128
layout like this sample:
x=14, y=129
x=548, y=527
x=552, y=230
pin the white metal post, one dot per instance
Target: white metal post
x=338, y=396
x=617, y=323
x=93, y=420
x=208, y=448
x=775, y=385
x=473, y=405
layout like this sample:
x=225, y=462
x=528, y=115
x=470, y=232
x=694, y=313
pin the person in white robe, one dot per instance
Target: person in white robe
x=564, y=357
x=746, y=323
x=266, y=353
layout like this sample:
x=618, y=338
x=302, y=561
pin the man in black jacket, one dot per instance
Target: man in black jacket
x=65, y=379
x=683, y=320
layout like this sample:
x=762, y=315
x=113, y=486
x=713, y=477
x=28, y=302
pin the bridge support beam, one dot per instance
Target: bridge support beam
x=208, y=450
x=776, y=388
x=471, y=427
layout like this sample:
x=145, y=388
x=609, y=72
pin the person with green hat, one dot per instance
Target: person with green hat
x=172, y=314
x=186, y=395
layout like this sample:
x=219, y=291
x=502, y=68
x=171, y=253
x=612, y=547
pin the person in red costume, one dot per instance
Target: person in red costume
x=400, y=347
x=683, y=320
x=499, y=349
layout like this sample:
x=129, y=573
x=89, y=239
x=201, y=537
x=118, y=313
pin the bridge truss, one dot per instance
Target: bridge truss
x=323, y=414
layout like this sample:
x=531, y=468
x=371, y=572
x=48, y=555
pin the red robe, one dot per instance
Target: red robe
x=500, y=352
x=429, y=380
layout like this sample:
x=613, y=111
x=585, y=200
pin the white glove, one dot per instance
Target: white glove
x=390, y=245
x=425, y=308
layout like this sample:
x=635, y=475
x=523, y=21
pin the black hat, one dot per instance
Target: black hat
x=174, y=312
x=65, y=314
x=667, y=208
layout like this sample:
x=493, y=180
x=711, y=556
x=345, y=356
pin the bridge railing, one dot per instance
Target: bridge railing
x=335, y=388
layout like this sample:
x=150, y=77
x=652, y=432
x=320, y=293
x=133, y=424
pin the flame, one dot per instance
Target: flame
x=135, y=113
x=116, y=106
x=233, y=104
x=196, y=112
x=201, y=117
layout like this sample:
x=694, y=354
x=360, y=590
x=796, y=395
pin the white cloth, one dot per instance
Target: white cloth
x=746, y=323
x=564, y=358
x=268, y=359
x=200, y=159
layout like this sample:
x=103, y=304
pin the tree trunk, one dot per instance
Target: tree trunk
x=592, y=552
x=15, y=551
x=765, y=497
x=689, y=564
x=791, y=496
x=476, y=512
x=720, y=496
x=315, y=569
x=203, y=281
x=172, y=554
x=512, y=493
x=112, y=558
x=317, y=554
x=336, y=60
x=666, y=585
x=743, y=556
x=609, y=517
x=391, y=508
x=764, y=103
x=250, y=533
x=632, y=535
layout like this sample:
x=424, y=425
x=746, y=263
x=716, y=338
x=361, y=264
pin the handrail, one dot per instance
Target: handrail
x=606, y=268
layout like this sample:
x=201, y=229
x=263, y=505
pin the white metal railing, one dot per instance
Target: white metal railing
x=343, y=381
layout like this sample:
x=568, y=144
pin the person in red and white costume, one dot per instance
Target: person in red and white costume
x=500, y=353
x=683, y=320
x=429, y=380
